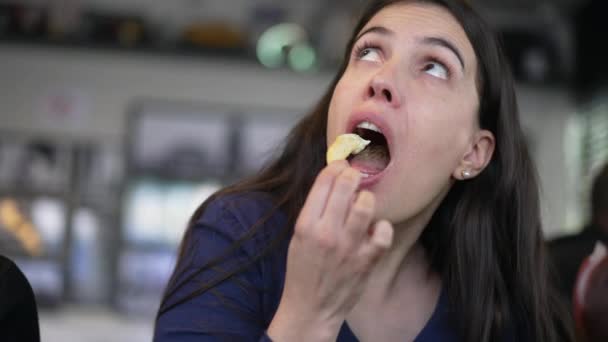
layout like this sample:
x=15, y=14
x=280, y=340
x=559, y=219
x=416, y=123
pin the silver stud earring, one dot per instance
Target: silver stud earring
x=466, y=173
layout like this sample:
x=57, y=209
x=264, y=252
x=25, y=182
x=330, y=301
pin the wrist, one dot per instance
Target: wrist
x=297, y=325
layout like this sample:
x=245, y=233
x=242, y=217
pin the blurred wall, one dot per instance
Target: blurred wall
x=107, y=84
x=545, y=115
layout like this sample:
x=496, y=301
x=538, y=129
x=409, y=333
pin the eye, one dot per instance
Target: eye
x=436, y=69
x=368, y=52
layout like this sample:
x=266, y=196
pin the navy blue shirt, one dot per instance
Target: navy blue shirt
x=241, y=307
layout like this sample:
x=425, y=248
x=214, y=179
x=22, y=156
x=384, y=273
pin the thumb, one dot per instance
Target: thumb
x=382, y=234
x=381, y=238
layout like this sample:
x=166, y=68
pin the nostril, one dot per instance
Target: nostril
x=387, y=94
x=372, y=93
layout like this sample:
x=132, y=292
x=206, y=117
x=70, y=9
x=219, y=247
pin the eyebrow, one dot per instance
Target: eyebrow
x=376, y=29
x=437, y=41
x=446, y=44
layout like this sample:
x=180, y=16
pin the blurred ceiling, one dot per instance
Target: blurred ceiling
x=538, y=34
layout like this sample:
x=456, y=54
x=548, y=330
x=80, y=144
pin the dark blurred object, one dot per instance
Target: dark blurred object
x=537, y=38
x=533, y=56
x=590, y=300
x=18, y=313
x=18, y=20
x=64, y=20
x=116, y=30
x=592, y=50
x=57, y=21
x=569, y=252
x=32, y=165
x=8, y=19
x=42, y=166
x=181, y=142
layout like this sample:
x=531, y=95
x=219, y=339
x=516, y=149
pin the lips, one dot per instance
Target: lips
x=376, y=157
x=374, y=119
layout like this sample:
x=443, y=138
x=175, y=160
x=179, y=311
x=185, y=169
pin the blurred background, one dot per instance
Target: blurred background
x=117, y=118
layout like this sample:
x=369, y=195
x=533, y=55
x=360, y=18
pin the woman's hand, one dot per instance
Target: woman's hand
x=335, y=245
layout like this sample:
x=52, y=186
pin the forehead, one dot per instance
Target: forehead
x=419, y=20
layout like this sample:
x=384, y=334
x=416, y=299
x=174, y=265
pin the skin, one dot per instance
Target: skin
x=354, y=255
x=433, y=120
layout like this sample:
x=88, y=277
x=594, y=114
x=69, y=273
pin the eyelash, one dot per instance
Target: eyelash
x=359, y=48
x=438, y=61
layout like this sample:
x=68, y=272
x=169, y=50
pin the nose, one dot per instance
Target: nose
x=382, y=87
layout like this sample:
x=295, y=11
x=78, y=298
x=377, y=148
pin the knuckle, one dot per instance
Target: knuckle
x=368, y=199
x=332, y=170
x=302, y=224
x=300, y=229
x=324, y=179
x=347, y=179
x=327, y=176
x=326, y=241
x=352, y=174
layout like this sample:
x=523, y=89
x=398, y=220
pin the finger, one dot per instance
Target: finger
x=340, y=197
x=379, y=242
x=317, y=197
x=360, y=216
x=382, y=236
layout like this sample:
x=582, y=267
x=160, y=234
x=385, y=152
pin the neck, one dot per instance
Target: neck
x=405, y=264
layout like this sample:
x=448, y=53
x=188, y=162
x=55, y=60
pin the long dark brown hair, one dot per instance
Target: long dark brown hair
x=485, y=238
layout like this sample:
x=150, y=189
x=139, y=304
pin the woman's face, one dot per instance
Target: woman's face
x=412, y=75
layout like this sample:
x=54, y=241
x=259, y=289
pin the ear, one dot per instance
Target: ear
x=477, y=157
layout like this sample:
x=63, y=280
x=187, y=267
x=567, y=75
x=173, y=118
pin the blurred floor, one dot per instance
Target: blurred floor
x=73, y=324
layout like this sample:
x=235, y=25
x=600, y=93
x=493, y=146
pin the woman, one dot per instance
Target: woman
x=432, y=233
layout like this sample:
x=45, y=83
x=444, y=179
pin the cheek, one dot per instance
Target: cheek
x=445, y=129
x=332, y=120
x=435, y=146
x=338, y=109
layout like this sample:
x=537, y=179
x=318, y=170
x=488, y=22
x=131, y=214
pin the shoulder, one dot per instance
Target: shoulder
x=225, y=261
x=251, y=218
x=246, y=208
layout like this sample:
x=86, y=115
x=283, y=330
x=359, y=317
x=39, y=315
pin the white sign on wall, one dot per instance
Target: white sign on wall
x=65, y=108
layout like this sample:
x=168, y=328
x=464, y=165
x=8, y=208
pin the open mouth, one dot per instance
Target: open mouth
x=376, y=156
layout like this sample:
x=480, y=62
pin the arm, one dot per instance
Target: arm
x=334, y=247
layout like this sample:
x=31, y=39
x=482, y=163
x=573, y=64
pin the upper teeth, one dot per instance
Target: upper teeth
x=370, y=126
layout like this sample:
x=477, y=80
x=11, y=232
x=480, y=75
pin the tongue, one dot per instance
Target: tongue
x=372, y=160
